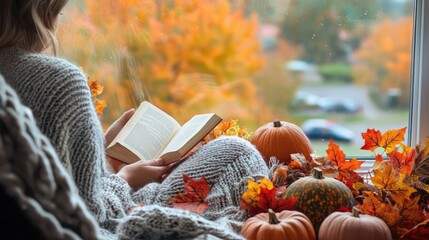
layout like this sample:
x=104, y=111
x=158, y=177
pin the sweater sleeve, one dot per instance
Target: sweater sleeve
x=65, y=113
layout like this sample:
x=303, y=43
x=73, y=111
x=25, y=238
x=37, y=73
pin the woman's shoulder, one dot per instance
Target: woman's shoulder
x=50, y=65
x=38, y=69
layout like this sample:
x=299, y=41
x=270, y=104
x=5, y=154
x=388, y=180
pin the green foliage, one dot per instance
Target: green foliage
x=317, y=26
x=336, y=72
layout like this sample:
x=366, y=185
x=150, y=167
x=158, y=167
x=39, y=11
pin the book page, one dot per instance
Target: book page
x=188, y=130
x=150, y=134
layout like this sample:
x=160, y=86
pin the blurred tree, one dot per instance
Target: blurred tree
x=175, y=53
x=320, y=26
x=383, y=61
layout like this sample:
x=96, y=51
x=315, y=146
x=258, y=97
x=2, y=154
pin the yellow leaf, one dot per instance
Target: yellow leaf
x=251, y=195
x=266, y=183
x=391, y=138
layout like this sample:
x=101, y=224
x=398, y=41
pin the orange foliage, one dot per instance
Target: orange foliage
x=262, y=196
x=397, y=194
x=177, y=54
x=384, y=58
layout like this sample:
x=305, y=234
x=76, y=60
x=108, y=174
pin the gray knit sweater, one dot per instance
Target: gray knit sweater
x=60, y=99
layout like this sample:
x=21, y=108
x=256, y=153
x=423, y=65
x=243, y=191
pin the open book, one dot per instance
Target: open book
x=151, y=133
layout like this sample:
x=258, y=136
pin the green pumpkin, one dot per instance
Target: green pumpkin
x=318, y=196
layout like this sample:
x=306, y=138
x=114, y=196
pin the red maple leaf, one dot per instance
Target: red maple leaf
x=372, y=139
x=335, y=154
x=268, y=199
x=402, y=161
x=194, y=198
x=419, y=232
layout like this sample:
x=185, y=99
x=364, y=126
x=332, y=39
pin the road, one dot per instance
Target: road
x=373, y=117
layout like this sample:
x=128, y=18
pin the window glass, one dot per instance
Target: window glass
x=333, y=67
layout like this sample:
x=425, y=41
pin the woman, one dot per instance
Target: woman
x=59, y=97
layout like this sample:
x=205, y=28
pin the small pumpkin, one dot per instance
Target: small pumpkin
x=280, y=139
x=318, y=196
x=284, y=225
x=353, y=226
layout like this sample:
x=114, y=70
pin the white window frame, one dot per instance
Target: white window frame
x=418, y=124
x=418, y=128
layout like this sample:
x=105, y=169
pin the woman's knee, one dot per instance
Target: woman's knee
x=233, y=146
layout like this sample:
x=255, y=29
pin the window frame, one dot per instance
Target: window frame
x=419, y=99
x=418, y=122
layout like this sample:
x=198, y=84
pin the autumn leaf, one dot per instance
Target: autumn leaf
x=280, y=176
x=378, y=158
x=392, y=181
x=229, y=128
x=345, y=168
x=411, y=213
x=262, y=196
x=415, y=182
x=348, y=167
x=384, y=177
x=268, y=200
x=391, y=138
x=418, y=232
x=373, y=205
x=194, y=198
x=100, y=105
x=251, y=196
x=421, y=166
x=344, y=209
x=402, y=161
x=300, y=162
x=96, y=89
x=372, y=139
x=323, y=163
x=335, y=154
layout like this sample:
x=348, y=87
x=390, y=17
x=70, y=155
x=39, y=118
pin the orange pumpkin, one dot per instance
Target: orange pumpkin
x=352, y=226
x=284, y=225
x=280, y=139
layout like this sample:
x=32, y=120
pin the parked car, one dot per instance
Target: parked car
x=305, y=100
x=339, y=105
x=325, y=129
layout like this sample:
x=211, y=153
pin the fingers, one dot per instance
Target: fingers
x=159, y=172
x=126, y=116
x=138, y=175
x=158, y=162
x=116, y=127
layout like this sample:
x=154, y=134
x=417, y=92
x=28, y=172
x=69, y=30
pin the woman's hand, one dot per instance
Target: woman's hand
x=114, y=129
x=143, y=172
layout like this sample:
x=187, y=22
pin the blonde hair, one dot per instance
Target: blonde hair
x=30, y=24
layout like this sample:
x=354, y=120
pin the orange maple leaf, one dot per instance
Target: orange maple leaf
x=402, y=161
x=373, y=205
x=387, y=178
x=345, y=168
x=391, y=138
x=335, y=154
x=372, y=139
x=194, y=198
x=411, y=212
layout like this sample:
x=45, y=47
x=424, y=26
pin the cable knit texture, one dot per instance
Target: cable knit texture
x=57, y=93
x=32, y=175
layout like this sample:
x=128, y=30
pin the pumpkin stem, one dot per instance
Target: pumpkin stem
x=318, y=173
x=272, y=219
x=277, y=123
x=355, y=212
